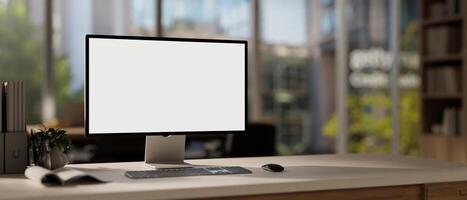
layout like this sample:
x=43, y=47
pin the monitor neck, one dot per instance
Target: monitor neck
x=165, y=151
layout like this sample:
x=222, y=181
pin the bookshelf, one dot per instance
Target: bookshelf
x=436, y=59
x=441, y=96
x=443, y=20
x=443, y=72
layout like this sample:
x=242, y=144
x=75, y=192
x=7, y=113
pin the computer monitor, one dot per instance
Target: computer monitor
x=170, y=87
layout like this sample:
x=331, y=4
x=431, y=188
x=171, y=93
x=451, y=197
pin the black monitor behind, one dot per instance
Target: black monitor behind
x=259, y=140
x=132, y=147
x=119, y=148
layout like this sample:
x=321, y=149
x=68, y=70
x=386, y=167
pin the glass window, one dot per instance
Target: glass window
x=409, y=80
x=72, y=21
x=21, y=49
x=297, y=60
x=284, y=65
x=370, y=62
x=207, y=18
x=143, y=17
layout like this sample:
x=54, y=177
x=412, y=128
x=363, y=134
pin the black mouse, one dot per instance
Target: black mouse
x=273, y=167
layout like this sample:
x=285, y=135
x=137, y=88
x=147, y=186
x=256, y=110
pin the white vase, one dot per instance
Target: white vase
x=58, y=158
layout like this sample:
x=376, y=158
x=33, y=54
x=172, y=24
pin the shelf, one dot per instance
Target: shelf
x=443, y=20
x=429, y=59
x=442, y=96
x=450, y=147
x=439, y=136
x=444, y=147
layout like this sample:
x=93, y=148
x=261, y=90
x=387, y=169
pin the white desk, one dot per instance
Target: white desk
x=304, y=176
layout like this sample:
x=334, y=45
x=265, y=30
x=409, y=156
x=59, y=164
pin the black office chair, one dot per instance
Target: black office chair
x=259, y=140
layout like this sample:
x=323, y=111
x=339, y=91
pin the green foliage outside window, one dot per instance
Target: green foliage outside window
x=370, y=128
x=369, y=115
x=22, y=57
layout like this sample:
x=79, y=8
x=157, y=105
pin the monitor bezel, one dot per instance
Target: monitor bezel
x=176, y=39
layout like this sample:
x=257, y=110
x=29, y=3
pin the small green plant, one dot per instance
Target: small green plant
x=51, y=138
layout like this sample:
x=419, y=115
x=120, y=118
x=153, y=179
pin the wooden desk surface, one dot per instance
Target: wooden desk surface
x=303, y=173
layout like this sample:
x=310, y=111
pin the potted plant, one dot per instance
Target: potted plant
x=49, y=147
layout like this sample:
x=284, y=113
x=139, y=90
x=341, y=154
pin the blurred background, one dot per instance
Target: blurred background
x=325, y=76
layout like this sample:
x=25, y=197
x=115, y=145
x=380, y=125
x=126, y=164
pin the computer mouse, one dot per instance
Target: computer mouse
x=273, y=167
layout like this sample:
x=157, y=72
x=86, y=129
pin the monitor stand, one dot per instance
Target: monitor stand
x=165, y=152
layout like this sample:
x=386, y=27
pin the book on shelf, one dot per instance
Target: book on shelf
x=454, y=7
x=2, y=135
x=23, y=106
x=2, y=107
x=443, y=80
x=443, y=40
x=450, y=122
x=14, y=107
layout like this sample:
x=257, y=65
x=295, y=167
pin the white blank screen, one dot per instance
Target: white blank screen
x=147, y=86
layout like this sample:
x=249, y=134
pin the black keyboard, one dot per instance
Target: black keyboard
x=181, y=172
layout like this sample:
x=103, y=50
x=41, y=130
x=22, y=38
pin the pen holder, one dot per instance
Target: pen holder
x=13, y=152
